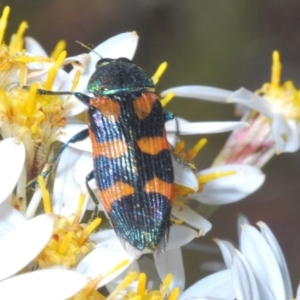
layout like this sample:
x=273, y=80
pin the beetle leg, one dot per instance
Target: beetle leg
x=76, y=138
x=88, y=178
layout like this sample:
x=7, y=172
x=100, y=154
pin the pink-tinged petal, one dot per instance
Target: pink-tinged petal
x=184, y=176
x=72, y=129
x=273, y=244
x=23, y=244
x=58, y=284
x=66, y=192
x=262, y=260
x=122, y=45
x=251, y=100
x=231, y=188
x=244, y=282
x=12, y=157
x=286, y=134
x=199, y=92
x=10, y=218
x=171, y=262
x=184, y=127
x=189, y=216
x=218, y=285
x=227, y=251
x=32, y=46
x=103, y=259
x=180, y=236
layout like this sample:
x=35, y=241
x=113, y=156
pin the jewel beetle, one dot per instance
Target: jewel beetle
x=132, y=159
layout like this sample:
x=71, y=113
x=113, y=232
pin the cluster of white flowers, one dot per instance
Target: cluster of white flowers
x=50, y=253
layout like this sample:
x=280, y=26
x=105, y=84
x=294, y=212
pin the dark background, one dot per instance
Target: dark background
x=221, y=43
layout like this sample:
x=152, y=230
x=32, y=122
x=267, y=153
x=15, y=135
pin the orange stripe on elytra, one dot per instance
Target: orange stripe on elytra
x=114, y=193
x=161, y=187
x=108, y=107
x=109, y=149
x=143, y=104
x=153, y=145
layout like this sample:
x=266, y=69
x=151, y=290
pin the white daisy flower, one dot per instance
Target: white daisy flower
x=272, y=113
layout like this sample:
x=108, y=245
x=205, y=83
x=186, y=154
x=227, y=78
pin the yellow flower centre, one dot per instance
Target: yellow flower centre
x=284, y=98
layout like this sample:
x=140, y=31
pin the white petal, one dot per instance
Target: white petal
x=298, y=292
x=12, y=157
x=180, y=235
x=243, y=279
x=184, y=175
x=227, y=250
x=72, y=129
x=66, y=192
x=242, y=219
x=230, y=188
x=286, y=134
x=271, y=240
x=102, y=259
x=34, y=47
x=218, y=285
x=251, y=100
x=199, y=92
x=10, y=218
x=122, y=45
x=190, y=217
x=23, y=244
x=262, y=261
x=187, y=128
x=48, y=284
x=171, y=262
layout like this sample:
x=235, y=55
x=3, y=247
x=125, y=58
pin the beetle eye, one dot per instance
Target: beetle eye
x=102, y=62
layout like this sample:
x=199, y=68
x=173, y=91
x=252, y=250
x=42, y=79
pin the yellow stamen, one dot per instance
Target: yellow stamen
x=166, y=283
x=22, y=74
x=65, y=243
x=89, y=229
x=60, y=46
x=79, y=209
x=16, y=42
x=174, y=294
x=276, y=70
x=196, y=149
x=45, y=195
x=53, y=71
x=3, y=22
x=141, y=284
x=116, y=268
x=126, y=282
x=179, y=147
x=76, y=80
x=31, y=102
x=215, y=175
x=161, y=69
x=165, y=100
x=28, y=59
x=50, y=79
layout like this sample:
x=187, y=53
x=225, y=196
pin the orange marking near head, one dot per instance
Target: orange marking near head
x=143, y=105
x=161, y=187
x=114, y=193
x=108, y=107
x=153, y=145
x=110, y=149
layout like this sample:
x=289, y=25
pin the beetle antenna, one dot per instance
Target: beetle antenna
x=89, y=48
